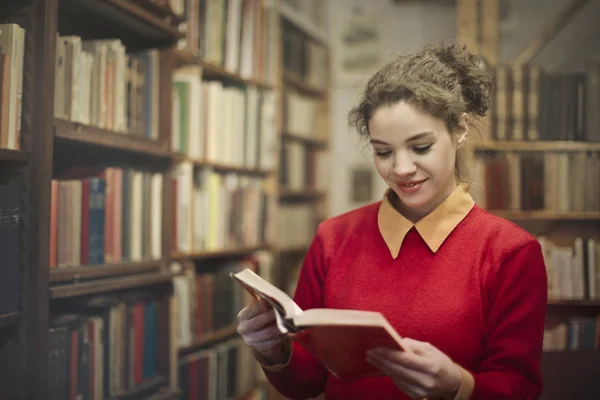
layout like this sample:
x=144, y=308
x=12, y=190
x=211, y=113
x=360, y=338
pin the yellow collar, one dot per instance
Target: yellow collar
x=434, y=228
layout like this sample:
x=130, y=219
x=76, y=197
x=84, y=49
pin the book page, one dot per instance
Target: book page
x=260, y=288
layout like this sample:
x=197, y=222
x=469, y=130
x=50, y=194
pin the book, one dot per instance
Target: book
x=338, y=338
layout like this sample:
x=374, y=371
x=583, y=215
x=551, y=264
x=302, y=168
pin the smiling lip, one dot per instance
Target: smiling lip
x=410, y=186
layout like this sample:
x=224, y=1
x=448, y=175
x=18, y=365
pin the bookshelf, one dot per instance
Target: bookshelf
x=537, y=166
x=304, y=131
x=127, y=188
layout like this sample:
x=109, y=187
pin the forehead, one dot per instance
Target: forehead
x=401, y=121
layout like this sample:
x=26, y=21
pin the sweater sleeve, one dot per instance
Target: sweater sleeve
x=303, y=376
x=511, y=358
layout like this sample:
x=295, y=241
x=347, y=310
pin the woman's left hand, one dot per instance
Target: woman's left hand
x=422, y=371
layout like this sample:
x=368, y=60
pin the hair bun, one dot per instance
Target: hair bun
x=475, y=82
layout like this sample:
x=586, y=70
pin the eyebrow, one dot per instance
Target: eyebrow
x=410, y=139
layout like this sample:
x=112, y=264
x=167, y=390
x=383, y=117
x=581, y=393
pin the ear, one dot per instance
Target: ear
x=462, y=130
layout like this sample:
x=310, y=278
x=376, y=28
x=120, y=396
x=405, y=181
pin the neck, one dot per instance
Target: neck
x=414, y=215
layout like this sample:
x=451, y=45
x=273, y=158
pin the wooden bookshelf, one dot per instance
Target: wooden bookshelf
x=213, y=71
x=308, y=141
x=52, y=146
x=138, y=27
x=11, y=319
x=293, y=80
x=574, y=303
x=115, y=141
x=223, y=168
x=109, y=285
x=537, y=146
x=300, y=195
x=144, y=390
x=528, y=144
x=166, y=395
x=103, y=271
x=224, y=253
x=19, y=156
x=547, y=215
x=210, y=339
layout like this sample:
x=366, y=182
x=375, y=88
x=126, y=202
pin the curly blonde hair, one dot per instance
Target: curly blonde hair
x=442, y=80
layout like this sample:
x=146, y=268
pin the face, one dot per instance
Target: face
x=416, y=155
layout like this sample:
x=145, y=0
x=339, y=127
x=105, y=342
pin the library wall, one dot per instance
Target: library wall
x=405, y=27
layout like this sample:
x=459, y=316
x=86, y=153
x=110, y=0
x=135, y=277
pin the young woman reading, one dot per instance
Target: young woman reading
x=465, y=289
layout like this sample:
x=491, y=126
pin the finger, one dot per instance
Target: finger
x=416, y=346
x=407, y=359
x=400, y=373
x=255, y=323
x=253, y=310
x=267, y=333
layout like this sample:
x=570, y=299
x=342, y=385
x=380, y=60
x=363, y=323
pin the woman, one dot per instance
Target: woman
x=465, y=289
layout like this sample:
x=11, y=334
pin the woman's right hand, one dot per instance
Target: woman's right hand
x=258, y=328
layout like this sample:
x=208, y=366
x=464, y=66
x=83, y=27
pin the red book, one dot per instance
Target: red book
x=339, y=339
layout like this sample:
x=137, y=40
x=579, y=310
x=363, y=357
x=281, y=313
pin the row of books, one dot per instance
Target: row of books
x=99, y=84
x=208, y=300
x=302, y=56
x=12, y=54
x=235, y=34
x=577, y=333
x=102, y=348
x=111, y=215
x=303, y=167
x=573, y=270
x=214, y=211
x=533, y=104
x=11, y=217
x=301, y=114
x=552, y=181
x=225, y=371
x=299, y=223
x=217, y=122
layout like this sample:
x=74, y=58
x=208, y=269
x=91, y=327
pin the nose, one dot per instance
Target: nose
x=404, y=164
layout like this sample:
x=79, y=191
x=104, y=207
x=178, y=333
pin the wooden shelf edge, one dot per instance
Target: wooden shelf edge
x=162, y=11
x=538, y=145
x=307, y=194
x=208, y=340
x=8, y=155
x=294, y=249
x=220, y=167
x=147, y=387
x=144, y=14
x=74, y=131
x=103, y=271
x=574, y=303
x=291, y=79
x=110, y=284
x=546, y=215
x=313, y=142
x=166, y=394
x=11, y=319
x=211, y=70
x=223, y=253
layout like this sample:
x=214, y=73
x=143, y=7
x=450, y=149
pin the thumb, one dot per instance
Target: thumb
x=263, y=305
x=415, y=346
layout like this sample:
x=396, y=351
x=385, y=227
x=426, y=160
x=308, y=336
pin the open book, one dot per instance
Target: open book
x=339, y=339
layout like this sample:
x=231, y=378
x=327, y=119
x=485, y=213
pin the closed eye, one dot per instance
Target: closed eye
x=383, y=153
x=422, y=149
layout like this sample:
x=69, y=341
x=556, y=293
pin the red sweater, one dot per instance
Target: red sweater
x=480, y=298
